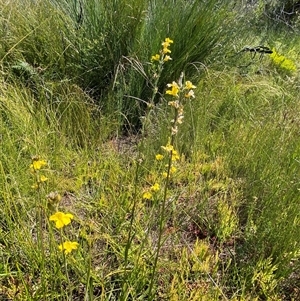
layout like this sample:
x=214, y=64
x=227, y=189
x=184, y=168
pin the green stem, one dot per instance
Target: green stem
x=66, y=267
x=130, y=232
x=150, y=105
x=162, y=215
x=40, y=234
x=89, y=280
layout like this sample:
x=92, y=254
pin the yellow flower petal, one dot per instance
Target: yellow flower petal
x=155, y=57
x=190, y=94
x=173, y=169
x=167, y=58
x=174, y=89
x=43, y=178
x=167, y=42
x=159, y=157
x=168, y=147
x=38, y=164
x=175, y=155
x=68, y=246
x=147, y=195
x=155, y=187
x=165, y=175
x=61, y=219
x=189, y=85
x=166, y=50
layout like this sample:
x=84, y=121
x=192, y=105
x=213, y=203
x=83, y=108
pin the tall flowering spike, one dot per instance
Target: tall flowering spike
x=68, y=246
x=61, y=219
x=162, y=57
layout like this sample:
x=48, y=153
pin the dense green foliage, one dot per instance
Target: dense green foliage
x=95, y=44
x=84, y=113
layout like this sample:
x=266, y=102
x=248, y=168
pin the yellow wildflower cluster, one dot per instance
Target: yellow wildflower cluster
x=168, y=148
x=63, y=219
x=157, y=63
x=282, y=62
x=37, y=164
x=174, y=156
x=163, y=56
x=178, y=90
x=147, y=195
x=174, y=89
x=35, y=167
x=159, y=157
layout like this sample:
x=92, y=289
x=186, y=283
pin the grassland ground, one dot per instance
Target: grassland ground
x=121, y=179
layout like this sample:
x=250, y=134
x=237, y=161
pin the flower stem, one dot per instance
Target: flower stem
x=162, y=214
x=66, y=267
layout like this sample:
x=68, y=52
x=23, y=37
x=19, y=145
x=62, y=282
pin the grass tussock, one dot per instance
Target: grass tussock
x=200, y=203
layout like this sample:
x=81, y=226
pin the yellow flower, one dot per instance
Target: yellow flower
x=175, y=155
x=167, y=42
x=190, y=94
x=167, y=58
x=147, y=195
x=35, y=186
x=43, y=178
x=173, y=169
x=159, y=157
x=168, y=147
x=166, y=50
x=175, y=89
x=189, y=85
x=155, y=187
x=155, y=57
x=282, y=62
x=68, y=246
x=37, y=164
x=165, y=175
x=61, y=219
